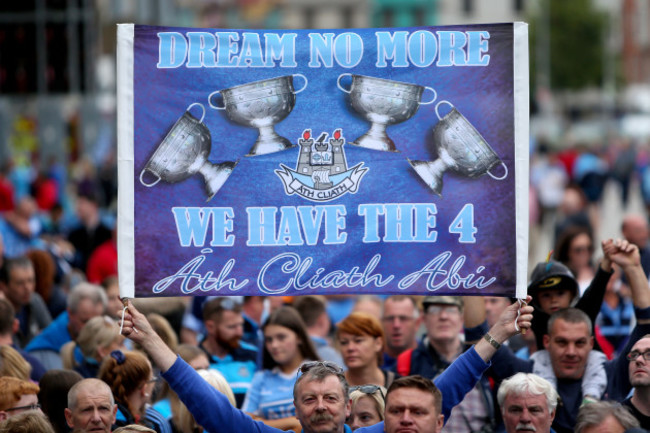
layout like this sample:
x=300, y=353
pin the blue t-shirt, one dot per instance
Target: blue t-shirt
x=271, y=394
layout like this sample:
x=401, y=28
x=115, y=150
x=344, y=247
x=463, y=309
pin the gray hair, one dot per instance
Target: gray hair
x=522, y=383
x=84, y=290
x=593, y=414
x=570, y=315
x=90, y=383
x=319, y=371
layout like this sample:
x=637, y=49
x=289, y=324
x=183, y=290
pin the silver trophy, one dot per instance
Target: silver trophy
x=383, y=102
x=183, y=152
x=460, y=148
x=261, y=105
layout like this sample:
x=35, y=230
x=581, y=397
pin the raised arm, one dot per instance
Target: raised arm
x=626, y=255
x=505, y=328
x=136, y=327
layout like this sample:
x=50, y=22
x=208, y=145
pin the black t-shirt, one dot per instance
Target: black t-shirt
x=567, y=411
x=643, y=419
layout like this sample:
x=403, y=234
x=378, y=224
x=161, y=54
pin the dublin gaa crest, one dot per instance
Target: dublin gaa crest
x=322, y=172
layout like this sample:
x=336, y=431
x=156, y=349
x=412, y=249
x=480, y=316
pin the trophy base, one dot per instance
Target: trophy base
x=215, y=176
x=430, y=174
x=376, y=140
x=270, y=144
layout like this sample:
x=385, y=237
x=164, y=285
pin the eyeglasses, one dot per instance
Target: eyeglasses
x=29, y=407
x=437, y=309
x=153, y=379
x=368, y=389
x=633, y=355
x=306, y=366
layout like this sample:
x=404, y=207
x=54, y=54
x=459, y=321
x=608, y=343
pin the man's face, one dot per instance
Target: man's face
x=568, y=345
x=412, y=410
x=443, y=322
x=20, y=286
x=400, y=324
x=608, y=425
x=86, y=310
x=229, y=330
x=552, y=300
x=639, y=369
x=494, y=306
x=321, y=406
x=93, y=412
x=527, y=413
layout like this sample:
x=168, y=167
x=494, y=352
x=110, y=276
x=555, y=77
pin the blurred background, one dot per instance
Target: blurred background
x=589, y=77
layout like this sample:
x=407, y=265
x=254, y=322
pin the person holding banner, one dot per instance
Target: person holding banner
x=321, y=391
x=286, y=346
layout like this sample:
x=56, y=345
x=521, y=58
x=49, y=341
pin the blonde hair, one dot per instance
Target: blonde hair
x=133, y=427
x=183, y=419
x=377, y=398
x=30, y=421
x=98, y=332
x=13, y=364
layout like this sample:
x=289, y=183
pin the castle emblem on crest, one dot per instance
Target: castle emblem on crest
x=322, y=172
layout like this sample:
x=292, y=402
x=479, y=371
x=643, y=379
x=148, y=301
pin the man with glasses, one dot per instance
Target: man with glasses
x=235, y=359
x=401, y=320
x=321, y=391
x=443, y=319
x=639, y=371
x=17, y=396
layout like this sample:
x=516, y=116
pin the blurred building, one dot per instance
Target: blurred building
x=57, y=57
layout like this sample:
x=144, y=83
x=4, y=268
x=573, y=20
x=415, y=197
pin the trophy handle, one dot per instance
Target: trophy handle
x=202, y=108
x=439, y=104
x=216, y=107
x=338, y=82
x=295, y=92
x=148, y=185
x=435, y=96
x=505, y=167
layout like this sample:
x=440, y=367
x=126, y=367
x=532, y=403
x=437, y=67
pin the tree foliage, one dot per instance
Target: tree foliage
x=577, y=33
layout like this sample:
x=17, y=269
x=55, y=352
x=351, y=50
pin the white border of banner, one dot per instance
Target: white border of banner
x=125, y=161
x=522, y=137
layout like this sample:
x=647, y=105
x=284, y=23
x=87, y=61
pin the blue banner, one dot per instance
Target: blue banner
x=366, y=161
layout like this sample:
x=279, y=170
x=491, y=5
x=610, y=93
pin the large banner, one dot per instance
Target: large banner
x=367, y=161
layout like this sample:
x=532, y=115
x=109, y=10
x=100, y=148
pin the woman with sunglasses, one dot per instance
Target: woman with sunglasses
x=361, y=339
x=286, y=346
x=367, y=406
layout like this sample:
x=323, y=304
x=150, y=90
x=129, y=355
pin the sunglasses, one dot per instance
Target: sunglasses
x=368, y=389
x=29, y=407
x=229, y=304
x=306, y=366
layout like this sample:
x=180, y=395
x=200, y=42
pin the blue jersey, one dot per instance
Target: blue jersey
x=271, y=394
x=237, y=368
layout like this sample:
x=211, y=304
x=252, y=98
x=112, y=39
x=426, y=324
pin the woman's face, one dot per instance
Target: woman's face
x=580, y=251
x=282, y=344
x=359, y=350
x=364, y=413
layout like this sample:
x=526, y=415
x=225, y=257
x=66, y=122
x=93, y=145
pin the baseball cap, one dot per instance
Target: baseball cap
x=444, y=300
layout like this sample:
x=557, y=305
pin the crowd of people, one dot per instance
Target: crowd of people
x=574, y=357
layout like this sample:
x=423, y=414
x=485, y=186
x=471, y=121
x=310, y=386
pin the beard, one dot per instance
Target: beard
x=230, y=343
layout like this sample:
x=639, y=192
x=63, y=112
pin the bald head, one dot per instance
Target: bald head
x=88, y=386
x=91, y=407
x=635, y=229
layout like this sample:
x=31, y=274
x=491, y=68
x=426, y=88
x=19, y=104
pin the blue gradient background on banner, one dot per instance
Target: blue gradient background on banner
x=484, y=95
